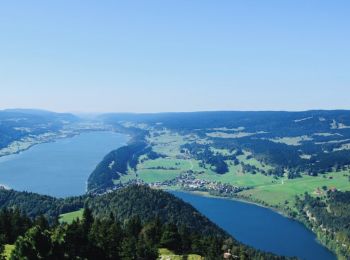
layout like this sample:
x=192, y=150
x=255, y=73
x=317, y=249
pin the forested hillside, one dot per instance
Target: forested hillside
x=137, y=219
x=108, y=238
x=34, y=205
x=329, y=216
x=113, y=165
x=150, y=204
x=125, y=203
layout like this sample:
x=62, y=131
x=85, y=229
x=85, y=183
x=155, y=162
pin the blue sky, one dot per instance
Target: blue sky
x=152, y=56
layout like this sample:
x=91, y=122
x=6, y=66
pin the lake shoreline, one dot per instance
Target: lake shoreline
x=27, y=145
x=55, y=136
x=206, y=194
x=247, y=201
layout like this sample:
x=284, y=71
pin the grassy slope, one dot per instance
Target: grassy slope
x=171, y=167
x=167, y=144
x=252, y=161
x=167, y=254
x=69, y=217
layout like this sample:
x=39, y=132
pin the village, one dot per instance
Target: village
x=188, y=182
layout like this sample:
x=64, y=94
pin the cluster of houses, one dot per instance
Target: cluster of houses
x=188, y=181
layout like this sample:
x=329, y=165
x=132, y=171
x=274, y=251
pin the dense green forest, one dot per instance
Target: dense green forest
x=34, y=205
x=329, y=216
x=131, y=223
x=149, y=204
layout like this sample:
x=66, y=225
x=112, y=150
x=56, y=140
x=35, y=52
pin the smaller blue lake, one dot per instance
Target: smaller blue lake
x=260, y=227
x=59, y=168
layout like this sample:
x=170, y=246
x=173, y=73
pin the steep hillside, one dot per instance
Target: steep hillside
x=329, y=216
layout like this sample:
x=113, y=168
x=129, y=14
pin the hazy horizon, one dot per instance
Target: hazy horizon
x=92, y=113
x=156, y=56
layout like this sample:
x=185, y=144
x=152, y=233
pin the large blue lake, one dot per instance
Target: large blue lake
x=260, y=227
x=59, y=168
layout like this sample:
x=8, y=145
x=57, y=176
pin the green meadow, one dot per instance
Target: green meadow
x=167, y=143
x=69, y=217
x=179, y=164
x=157, y=175
x=275, y=194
